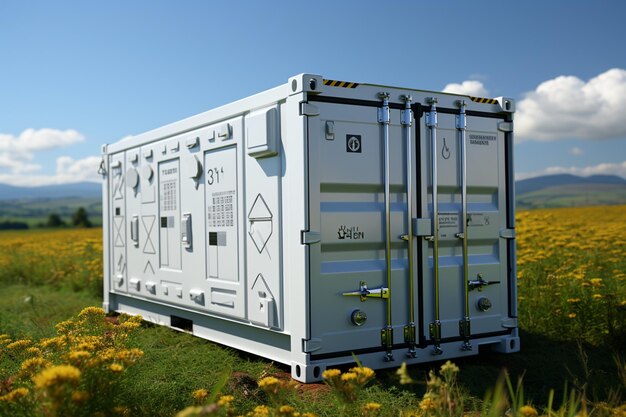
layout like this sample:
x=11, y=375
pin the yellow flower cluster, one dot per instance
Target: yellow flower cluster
x=68, y=370
x=347, y=385
x=56, y=375
x=68, y=257
x=569, y=262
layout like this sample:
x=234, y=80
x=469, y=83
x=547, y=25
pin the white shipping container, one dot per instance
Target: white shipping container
x=318, y=220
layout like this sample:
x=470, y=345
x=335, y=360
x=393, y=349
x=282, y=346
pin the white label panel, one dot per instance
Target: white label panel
x=169, y=214
x=221, y=214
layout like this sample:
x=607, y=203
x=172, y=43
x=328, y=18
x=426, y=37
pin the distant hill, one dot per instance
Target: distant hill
x=75, y=190
x=570, y=190
x=33, y=205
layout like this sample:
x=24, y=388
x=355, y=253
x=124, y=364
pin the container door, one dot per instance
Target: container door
x=355, y=305
x=464, y=260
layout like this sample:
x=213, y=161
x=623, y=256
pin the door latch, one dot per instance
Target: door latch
x=479, y=283
x=364, y=293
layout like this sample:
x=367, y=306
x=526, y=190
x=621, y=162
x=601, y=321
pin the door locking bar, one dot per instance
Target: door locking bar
x=464, y=324
x=431, y=123
x=479, y=283
x=384, y=119
x=406, y=121
x=366, y=293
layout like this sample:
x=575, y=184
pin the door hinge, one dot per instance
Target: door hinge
x=308, y=237
x=505, y=126
x=507, y=233
x=307, y=109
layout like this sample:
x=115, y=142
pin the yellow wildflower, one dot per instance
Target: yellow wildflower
x=528, y=411
x=427, y=405
x=33, y=351
x=53, y=342
x=200, y=394
x=55, y=375
x=363, y=373
x=91, y=312
x=597, y=296
x=331, y=373
x=65, y=327
x=573, y=300
x=286, y=410
x=78, y=355
x=261, y=411
x=449, y=367
x=19, y=344
x=596, y=282
x=572, y=315
x=225, y=400
x=116, y=368
x=14, y=395
x=348, y=376
x=268, y=381
x=372, y=407
x=405, y=378
x=29, y=366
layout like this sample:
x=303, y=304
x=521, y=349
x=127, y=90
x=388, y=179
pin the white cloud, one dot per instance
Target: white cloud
x=567, y=107
x=9, y=162
x=68, y=170
x=16, y=152
x=86, y=169
x=604, y=168
x=34, y=140
x=470, y=88
x=576, y=151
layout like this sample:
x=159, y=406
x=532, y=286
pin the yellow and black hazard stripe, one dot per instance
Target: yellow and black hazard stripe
x=344, y=84
x=484, y=100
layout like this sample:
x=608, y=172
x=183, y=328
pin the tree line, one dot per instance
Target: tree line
x=80, y=218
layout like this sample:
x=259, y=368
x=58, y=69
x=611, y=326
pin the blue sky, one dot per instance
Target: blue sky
x=77, y=74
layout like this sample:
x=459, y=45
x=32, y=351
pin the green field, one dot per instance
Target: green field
x=36, y=211
x=572, y=292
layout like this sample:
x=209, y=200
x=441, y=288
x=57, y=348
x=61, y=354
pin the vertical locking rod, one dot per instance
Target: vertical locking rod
x=431, y=122
x=464, y=324
x=406, y=121
x=384, y=118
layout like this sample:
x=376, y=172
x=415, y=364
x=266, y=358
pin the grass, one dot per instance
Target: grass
x=572, y=291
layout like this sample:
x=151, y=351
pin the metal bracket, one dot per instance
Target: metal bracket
x=431, y=116
x=386, y=339
x=507, y=233
x=435, y=334
x=383, y=112
x=465, y=332
x=364, y=293
x=307, y=109
x=479, y=283
x=505, y=126
x=308, y=237
x=311, y=345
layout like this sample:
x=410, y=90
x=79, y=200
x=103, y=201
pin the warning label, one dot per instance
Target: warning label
x=448, y=220
x=483, y=140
